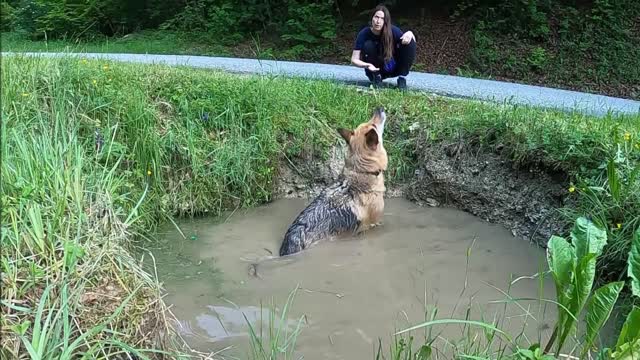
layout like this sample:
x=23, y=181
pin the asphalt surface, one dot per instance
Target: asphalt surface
x=446, y=85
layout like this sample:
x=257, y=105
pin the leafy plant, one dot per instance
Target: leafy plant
x=611, y=197
x=628, y=343
x=8, y=16
x=310, y=24
x=573, y=266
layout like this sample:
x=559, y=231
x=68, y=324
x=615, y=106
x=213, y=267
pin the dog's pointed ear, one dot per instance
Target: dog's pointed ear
x=372, y=139
x=346, y=134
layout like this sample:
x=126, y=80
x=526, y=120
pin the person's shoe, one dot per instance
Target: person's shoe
x=376, y=80
x=402, y=83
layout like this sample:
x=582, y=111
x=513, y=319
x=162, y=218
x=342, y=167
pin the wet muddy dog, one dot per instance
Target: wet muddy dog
x=355, y=202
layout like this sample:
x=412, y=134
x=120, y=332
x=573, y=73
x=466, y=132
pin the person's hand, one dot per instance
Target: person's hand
x=407, y=37
x=371, y=67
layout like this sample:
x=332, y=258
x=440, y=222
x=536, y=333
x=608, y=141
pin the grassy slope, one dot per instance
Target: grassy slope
x=94, y=154
x=152, y=42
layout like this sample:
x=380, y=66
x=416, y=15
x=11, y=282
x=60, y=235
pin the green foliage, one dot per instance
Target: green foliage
x=609, y=195
x=8, y=16
x=560, y=44
x=534, y=352
x=84, y=19
x=276, y=342
x=309, y=24
x=294, y=21
x=573, y=266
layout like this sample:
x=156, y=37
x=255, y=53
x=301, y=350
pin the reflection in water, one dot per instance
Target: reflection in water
x=227, y=322
x=353, y=290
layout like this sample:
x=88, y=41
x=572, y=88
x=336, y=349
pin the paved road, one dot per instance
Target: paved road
x=446, y=85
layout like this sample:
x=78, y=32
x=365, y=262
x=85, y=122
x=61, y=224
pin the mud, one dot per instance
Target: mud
x=353, y=290
x=486, y=185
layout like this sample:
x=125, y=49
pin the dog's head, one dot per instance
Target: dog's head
x=366, y=152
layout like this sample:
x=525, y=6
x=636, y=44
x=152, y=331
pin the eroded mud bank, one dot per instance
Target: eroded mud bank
x=481, y=182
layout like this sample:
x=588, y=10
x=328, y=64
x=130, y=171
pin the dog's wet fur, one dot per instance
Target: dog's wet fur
x=355, y=202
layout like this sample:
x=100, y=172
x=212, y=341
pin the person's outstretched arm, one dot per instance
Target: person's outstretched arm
x=355, y=60
x=403, y=37
x=407, y=37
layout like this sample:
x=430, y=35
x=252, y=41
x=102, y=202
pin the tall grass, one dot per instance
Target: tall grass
x=277, y=340
x=95, y=154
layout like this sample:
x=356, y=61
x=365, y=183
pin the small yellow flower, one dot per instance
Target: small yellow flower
x=572, y=188
x=25, y=94
x=627, y=136
x=84, y=61
x=109, y=80
x=105, y=67
x=638, y=146
x=618, y=225
x=95, y=82
x=149, y=172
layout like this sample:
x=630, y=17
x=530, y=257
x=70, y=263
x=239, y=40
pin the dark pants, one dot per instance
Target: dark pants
x=404, y=56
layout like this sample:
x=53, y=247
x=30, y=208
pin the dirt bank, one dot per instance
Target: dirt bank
x=458, y=175
x=492, y=188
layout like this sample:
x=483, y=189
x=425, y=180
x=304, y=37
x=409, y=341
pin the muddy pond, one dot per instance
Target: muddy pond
x=352, y=291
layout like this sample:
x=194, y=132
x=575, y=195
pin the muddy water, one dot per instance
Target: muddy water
x=352, y=291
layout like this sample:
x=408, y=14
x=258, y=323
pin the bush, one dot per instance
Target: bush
x=290, y=20
x=7, y=16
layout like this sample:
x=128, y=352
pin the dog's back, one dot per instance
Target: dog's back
x=330, y=213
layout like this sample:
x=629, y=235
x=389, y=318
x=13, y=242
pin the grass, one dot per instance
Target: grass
x=95, y=154
x=152, y=42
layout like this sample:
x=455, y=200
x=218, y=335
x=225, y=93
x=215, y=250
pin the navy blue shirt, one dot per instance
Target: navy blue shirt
x=366, y=34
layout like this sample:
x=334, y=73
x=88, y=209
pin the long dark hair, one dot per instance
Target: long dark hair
x=387, y=34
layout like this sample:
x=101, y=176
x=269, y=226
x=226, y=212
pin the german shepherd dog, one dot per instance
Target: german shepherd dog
x=356, y=201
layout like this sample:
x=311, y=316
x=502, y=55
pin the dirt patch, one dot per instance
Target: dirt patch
x=488, y=186
x=306, y=176
x=462, y=176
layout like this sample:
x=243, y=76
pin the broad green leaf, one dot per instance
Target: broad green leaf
x=561, y=258
x=583, y=282
x=633, y=264
x=631, y=329
x=587, y=238
x=628, y=351
x=585, y=274
x=599, y=309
